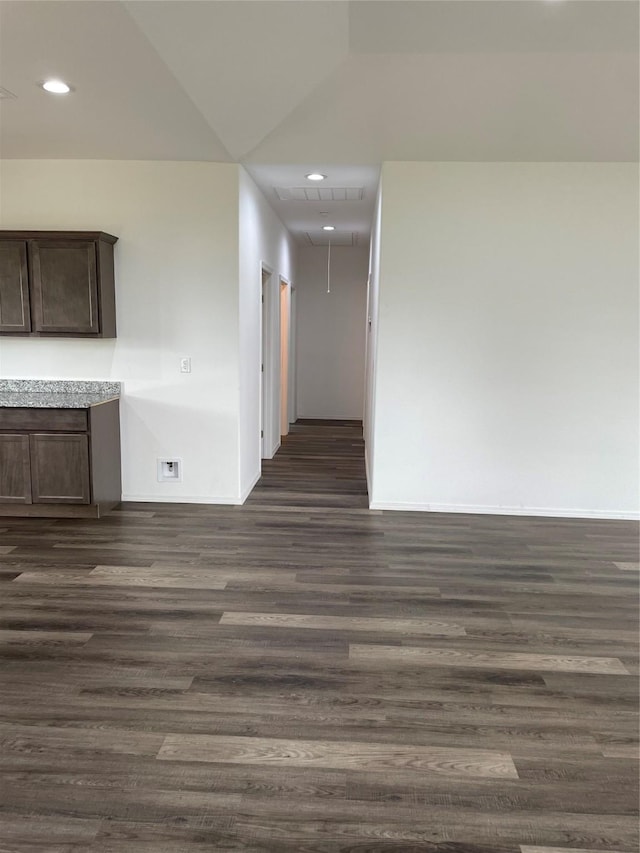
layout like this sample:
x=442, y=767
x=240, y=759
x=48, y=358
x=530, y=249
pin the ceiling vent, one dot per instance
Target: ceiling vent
x=336, y=238
x=5, y=94
x=319, y=193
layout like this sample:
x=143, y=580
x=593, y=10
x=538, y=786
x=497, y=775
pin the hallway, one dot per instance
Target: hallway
x=320, y=463
x=301, y=675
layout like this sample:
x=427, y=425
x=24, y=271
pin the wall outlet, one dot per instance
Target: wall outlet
x=169, y=470
x=185, y=365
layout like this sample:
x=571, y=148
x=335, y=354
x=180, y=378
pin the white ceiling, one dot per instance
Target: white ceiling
x=126, y=104
x=305, y=217
x=292, y=86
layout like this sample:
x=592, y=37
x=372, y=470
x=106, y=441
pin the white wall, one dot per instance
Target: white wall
x=507, y=374
x=331, y=333
x=263, y=240
x=177, y=295
x=373, y=291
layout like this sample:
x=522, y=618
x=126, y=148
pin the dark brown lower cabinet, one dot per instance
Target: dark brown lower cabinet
x=60, y=462
x=15, y=469
x=59, y=469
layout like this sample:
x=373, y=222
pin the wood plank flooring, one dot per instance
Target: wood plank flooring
x=301, y=674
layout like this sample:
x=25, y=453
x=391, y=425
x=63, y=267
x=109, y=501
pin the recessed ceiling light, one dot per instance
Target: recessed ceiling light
x=316, y=176
x=56, y=87
x=328, y=228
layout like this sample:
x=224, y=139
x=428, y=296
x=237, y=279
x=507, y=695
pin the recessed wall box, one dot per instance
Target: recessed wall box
x=169, y=470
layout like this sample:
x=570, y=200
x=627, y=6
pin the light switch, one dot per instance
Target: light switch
x=185, y=365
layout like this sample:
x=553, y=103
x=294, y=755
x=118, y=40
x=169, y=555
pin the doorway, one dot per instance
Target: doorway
x=276, y=398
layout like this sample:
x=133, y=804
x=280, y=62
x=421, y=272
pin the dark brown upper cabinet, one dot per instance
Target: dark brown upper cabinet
x=57, y=283
x=14, y=287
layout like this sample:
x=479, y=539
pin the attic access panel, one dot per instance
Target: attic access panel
x=336, y=238
x=319, y=193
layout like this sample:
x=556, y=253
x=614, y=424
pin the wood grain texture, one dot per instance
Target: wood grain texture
x=344, y=623
x=131, y=576
x=178, y=678
x=529, y=849
x=487, y=660
x=629, y=567
x=338, y=755
x=47, y=638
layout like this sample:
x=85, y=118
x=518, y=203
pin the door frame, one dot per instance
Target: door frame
x=265, y=359
x=285, y=292
x=293, y=357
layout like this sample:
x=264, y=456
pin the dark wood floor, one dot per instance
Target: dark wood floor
x=302, y=674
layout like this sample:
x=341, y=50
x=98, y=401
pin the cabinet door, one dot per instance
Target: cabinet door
x=15, y=474
x=14, y=287
x=64, y=286
x=60, y=468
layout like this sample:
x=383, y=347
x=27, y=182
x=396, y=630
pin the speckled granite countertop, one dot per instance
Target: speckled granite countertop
x=51, y=394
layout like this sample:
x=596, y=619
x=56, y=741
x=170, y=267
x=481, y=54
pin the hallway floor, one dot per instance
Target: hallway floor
x=319, y=464
x=301, y=674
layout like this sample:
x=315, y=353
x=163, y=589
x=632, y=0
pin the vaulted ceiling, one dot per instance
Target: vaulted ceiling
x=299, y=85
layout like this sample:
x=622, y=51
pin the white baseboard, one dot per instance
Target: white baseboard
x=474, y=509
x=180, y=499
x=245, y=494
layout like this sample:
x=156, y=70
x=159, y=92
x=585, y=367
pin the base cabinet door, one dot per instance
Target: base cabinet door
x=60, y=468
x=15, y=469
